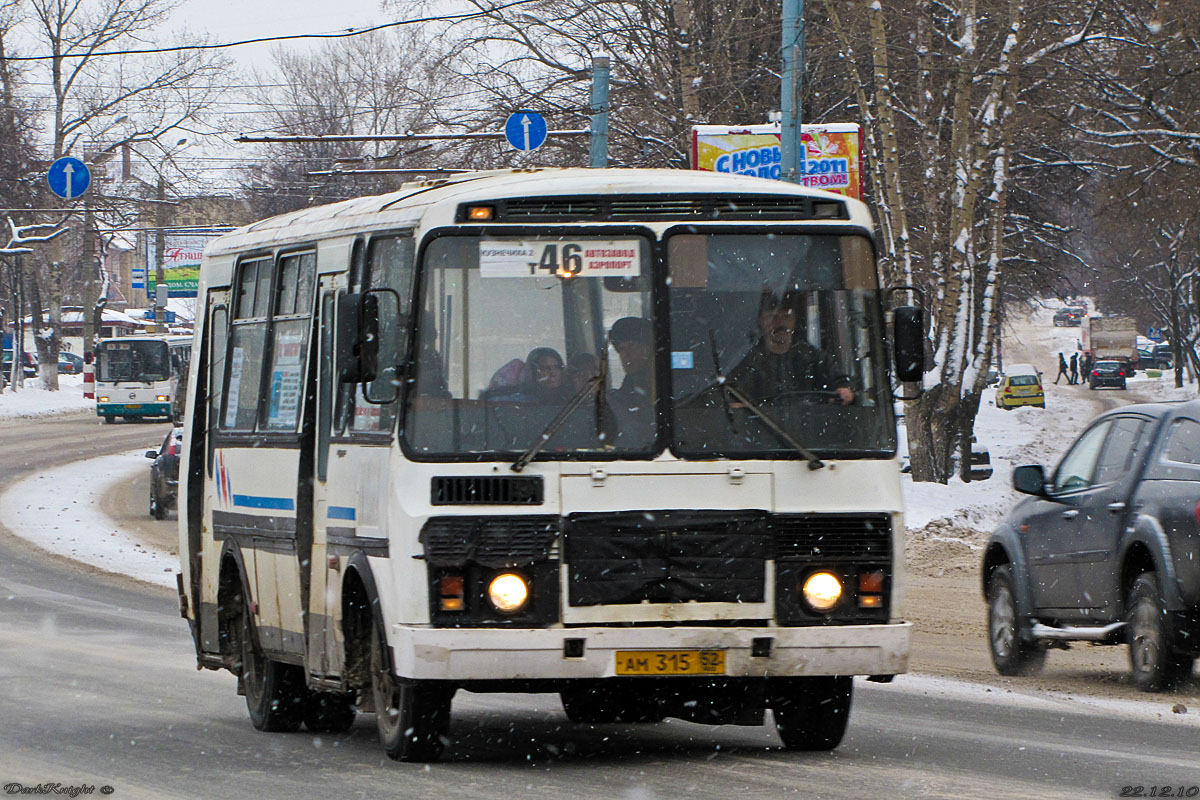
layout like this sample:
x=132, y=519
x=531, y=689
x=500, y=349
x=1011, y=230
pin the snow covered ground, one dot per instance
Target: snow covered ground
x=71, y=523
x=1026, y=435
x=31, y=400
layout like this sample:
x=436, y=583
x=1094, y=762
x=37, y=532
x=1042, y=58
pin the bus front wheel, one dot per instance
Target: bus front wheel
x=811, y=713
x=412, y=717
x=275, y=692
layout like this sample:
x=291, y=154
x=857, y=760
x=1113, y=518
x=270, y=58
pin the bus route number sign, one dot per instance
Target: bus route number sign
x=589, y=258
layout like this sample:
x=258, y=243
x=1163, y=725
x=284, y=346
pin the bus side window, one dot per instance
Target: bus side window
x=289, y=342
x=247, y=340
x=346, y=392
x=389, y=266
x=218, y=331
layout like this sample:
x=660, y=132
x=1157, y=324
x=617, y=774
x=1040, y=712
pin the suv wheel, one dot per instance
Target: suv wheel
x=1012, y=654
x=1154, y=663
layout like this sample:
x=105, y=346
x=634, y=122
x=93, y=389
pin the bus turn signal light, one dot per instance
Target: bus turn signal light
x=451, y=591
x=480, y=213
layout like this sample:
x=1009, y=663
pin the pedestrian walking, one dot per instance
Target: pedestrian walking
x=1062, y=369
x=1074, y=379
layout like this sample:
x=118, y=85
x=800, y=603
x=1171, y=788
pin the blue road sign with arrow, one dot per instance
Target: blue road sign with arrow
x=68, y=177
x=525, y=130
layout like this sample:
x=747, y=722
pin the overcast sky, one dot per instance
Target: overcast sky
x=236, y=20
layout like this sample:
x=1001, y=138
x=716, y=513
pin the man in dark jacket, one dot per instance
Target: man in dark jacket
x=1074, y=379
x=784, y=363
x=1062, y=370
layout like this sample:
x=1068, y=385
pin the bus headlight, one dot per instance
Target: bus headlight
x=822, y=591
x=162, y=398
x=508, y=592
x=102, y=399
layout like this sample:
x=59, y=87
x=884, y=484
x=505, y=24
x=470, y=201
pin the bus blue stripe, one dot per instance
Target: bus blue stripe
x=341, y=512
x=276, y=503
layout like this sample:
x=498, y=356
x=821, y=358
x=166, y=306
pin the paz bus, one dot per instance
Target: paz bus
x=137, y=377
x=495, y=433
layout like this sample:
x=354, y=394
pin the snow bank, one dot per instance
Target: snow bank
x=32, y=400
x=59, y=511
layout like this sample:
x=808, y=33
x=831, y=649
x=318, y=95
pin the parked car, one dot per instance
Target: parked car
x=1106, y=549
x=30, y=361
x=1108, y=373
x=164, y=474
x=1020, y=385
x=69, y=363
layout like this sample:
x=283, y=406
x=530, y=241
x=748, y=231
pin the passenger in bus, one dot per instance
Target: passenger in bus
x=784, y=364
x=633, y=400
x=633, y=339
x=542, y=379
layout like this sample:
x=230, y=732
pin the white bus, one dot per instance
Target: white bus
x=137, y=377
x=516, y=432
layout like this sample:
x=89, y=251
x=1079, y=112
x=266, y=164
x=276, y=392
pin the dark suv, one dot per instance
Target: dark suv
x=1107, y=549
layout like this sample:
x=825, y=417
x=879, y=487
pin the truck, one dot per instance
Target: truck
x=1110, y=338
x=1103, y=549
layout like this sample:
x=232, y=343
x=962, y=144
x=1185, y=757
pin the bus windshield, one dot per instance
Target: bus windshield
x=133, y=361
x=776, y=340
x=511, y=331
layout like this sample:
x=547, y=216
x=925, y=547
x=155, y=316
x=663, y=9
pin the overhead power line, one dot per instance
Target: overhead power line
x=267, y=39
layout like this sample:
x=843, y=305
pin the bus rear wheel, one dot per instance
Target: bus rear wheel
x=412, y=717
x=811, y=713
x=275, y=692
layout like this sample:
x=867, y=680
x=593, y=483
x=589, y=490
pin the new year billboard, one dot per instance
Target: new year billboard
x=181, y=263
x=831, y=158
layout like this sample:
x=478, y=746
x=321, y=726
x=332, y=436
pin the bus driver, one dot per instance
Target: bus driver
x=783, y=363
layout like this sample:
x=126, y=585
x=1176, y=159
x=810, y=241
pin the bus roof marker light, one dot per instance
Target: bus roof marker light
x=480, y=213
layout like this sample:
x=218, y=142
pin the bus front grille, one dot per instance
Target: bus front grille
x=494, y=490
x=500, y=541
x=833, y=537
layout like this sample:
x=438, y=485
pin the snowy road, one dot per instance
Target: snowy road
x=98, y=687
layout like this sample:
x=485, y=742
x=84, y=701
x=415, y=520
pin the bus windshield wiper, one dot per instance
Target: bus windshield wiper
x=596, y=383
x=728, y=390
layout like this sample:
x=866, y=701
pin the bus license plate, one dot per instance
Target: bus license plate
x=133, y=405
x=670, y=662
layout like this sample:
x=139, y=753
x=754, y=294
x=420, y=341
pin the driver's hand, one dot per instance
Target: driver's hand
x=845, y=395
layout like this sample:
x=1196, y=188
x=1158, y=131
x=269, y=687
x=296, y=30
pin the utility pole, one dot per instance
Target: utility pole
x=599, y=148
x=791, y=148
x=160, y=253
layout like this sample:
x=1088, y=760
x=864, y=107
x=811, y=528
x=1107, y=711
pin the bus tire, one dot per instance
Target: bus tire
x=109, y=420
x=275, y=692
x=329, y=712
x=412, y=717
x=811, y=713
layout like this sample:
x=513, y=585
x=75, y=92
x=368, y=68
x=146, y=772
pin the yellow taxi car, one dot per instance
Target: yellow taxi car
x=1020, y=385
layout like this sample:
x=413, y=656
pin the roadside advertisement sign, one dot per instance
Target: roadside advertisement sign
x=832, y=158
x=181, y=263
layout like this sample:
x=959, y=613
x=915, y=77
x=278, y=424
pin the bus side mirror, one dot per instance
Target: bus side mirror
x=908, y=342
x=357, y=337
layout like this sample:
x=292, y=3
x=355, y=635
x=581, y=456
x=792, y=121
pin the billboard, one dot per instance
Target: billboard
x=181, y=263
x=832, y=157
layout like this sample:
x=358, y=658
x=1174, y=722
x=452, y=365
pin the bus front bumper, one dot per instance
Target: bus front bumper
x=485, y=654
x=133, y=409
